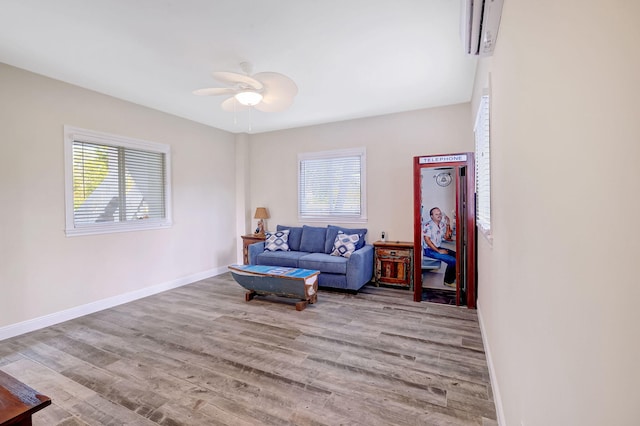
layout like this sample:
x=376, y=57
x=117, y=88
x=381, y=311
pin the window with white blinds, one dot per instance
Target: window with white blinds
x=483, y=167
x=331, y=186
x=114, y=183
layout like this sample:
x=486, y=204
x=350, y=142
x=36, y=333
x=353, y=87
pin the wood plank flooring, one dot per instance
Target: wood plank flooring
x=201, y=355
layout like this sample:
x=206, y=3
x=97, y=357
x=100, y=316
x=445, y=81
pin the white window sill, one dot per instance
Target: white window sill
x=116, y=227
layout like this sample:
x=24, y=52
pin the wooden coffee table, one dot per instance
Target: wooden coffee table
x=281, y=281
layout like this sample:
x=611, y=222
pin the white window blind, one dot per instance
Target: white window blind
x=483, y=166
x=331, y=185
x=116, y=183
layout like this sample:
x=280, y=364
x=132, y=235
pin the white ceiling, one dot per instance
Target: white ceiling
x=349, y=58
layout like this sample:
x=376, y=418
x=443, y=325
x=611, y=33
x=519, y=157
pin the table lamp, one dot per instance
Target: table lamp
x=261, y=214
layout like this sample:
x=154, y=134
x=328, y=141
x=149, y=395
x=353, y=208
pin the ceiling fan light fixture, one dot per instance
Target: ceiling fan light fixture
x=248, y=97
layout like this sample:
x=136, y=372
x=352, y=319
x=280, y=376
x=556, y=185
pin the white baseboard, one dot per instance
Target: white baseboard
x=99, y=305
x=492, y=372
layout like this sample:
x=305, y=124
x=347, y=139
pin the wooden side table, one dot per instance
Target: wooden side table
x=394, y=263
x=247, y=240
x=18, y=401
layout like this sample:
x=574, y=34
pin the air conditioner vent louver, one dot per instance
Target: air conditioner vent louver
x=480, y=23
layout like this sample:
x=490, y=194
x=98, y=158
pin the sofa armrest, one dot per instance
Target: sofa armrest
x=360, y=267
x=254, y=250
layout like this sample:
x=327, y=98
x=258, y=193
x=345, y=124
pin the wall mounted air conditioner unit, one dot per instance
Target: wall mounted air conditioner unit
x=480, y=23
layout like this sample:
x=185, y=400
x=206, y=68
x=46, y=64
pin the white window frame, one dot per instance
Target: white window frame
x=336, y=154
x=482, y=133
x=72, y=134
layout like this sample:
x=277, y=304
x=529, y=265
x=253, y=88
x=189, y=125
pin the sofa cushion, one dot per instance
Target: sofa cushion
x=332, y=232
x=344, y=244
x=276, y=241
x=280, y=258
x=295, y=234
x=312, y=239
x=324, y=263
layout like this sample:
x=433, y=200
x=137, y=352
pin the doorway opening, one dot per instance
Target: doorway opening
x=444, y=229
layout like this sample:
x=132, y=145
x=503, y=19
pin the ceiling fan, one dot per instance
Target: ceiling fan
x=265, y=91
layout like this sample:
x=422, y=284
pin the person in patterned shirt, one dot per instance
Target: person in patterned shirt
x=435, y=230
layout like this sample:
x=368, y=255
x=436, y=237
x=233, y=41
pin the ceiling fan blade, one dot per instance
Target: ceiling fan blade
x=214, y=91
x=278, y=93
x=277, y=83
x=272, y=103
x=233, y=79
x=232, y=105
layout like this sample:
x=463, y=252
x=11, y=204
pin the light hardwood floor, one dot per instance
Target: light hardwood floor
x=201, y=355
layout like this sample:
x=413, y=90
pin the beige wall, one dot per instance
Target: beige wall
x=391, y=142
x=558, y=289
x=42, y=271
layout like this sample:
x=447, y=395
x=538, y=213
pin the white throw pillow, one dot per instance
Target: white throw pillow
x=344, y=244
x=277, y=241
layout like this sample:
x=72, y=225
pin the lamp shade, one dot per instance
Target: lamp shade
x=261, y=213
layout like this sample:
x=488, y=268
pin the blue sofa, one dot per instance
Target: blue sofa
x=310, y=247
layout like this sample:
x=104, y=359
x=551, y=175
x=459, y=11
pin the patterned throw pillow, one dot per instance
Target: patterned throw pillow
x=276, y=241
x=344, y=244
